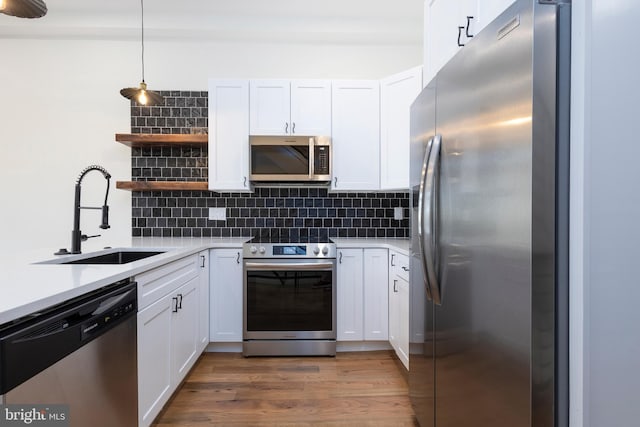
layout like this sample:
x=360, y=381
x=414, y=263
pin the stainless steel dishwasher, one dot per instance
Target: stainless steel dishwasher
x=81, y=353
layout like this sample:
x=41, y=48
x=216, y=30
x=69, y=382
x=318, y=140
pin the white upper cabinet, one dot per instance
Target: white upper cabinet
x=445, y=26
x=397, y=93
x=355, y=118
x=450, y=24
x=489, y=10
x=290, y=107
x=229, y=135
x=311, y=107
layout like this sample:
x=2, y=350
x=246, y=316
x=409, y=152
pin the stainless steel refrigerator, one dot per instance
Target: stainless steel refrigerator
x=489, y=220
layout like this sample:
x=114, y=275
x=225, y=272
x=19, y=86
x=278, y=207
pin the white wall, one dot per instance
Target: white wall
x=605, y=205
x=60, y=109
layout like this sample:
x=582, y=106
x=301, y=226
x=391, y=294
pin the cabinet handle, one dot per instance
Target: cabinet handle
x=335, y=182
x=245, y=181
x=175, y=307
x=405, y=268
x=202, y=259
x=286, y=128
x=392, y=256
x=469, y=18
x=340, y=261
x=293, y=128
x=238, y=258
x=179, y=302
x=460, y=34
x=395, y=285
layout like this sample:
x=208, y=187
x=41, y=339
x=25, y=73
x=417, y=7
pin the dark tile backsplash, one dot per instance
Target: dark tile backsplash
x=298, y=213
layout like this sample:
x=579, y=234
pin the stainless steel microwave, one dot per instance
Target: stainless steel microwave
x=290, y=159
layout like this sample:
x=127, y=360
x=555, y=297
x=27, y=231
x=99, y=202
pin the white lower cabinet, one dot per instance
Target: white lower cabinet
x=154, y=359
x=376, y=298
x=203, y=301
x=362, y=295
x=350, y=320
x=168, y=333
x=226, y=295
x=399, y=305
x=184, y=330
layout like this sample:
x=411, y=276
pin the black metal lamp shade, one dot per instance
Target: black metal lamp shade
x=142, y=95
x=23, y=8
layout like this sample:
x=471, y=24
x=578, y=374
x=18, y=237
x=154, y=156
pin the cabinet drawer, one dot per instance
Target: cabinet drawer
x=156, y=283
x=399, y=265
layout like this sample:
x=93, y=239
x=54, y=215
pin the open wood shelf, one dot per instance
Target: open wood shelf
x=162, y=185
x=154, y=140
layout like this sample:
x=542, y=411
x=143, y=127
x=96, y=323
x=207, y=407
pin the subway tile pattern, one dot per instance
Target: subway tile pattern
x=169, y=164
x=182, y=112
x=299, y=213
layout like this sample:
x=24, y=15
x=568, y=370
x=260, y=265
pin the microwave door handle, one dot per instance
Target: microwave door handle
x=312, y=155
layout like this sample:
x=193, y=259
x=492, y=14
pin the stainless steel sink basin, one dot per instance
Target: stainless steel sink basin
x=120, y=257
x=113, y=256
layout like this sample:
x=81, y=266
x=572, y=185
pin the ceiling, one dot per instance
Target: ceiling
x=291, y=21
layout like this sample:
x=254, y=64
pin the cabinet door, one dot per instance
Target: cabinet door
x=350, y=295
x=376, y=297
x=203, y=301
x=229, y=135
x=226, y=295
x=489, y=10
x=311, y=107
x=154, y=359
x=270, y=102
x=402, y=336
x=184, y=329
x=442, y=21
x=394, y=309
x=355, y=118
x=397, y=93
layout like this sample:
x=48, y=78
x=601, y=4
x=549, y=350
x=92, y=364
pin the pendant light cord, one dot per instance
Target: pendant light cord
x=142, y=26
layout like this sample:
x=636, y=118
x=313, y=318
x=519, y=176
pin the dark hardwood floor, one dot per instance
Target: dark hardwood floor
x=350, y=390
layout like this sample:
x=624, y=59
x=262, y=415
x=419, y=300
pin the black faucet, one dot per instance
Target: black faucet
x=76, y=235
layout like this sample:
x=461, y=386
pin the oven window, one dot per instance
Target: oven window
x=280, y=159
x=289, y=301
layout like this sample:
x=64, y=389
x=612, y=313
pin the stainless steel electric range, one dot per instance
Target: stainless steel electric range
x=289, y=297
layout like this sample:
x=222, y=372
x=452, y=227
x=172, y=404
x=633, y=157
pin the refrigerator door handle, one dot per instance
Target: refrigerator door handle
x=430, y=223
x=423, y=178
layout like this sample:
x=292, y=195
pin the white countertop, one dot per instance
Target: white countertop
x=27, y=287
x=399, y=245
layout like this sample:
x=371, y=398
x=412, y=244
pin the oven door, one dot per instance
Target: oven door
x=289, y=299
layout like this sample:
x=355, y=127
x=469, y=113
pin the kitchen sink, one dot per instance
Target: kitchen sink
x=115, y=257
x=120, y=257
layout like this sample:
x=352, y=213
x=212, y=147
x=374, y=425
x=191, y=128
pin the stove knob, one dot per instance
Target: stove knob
x=253, y=249
x=262, y=250
x=325, y=251
x=316, y=250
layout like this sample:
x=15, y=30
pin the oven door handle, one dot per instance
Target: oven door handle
x=298, y=266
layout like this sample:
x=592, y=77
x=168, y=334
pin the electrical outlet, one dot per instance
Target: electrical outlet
x=218, y=214
x=398, y=214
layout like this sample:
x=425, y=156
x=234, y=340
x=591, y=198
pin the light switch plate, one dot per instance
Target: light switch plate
x=218, y=214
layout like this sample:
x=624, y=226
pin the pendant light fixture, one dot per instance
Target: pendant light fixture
x=140, y=94
x=23, y=8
